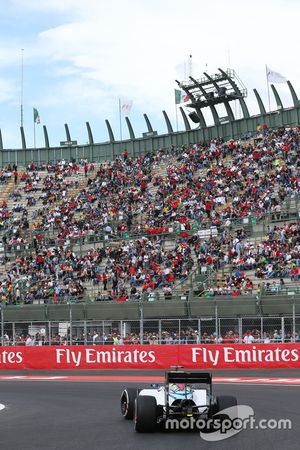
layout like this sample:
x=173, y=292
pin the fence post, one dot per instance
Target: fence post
x=49, y=333
x=85, y=333
x=141, y=322
x=71, y=320
x=199, y=331
x=282, y=329
x=240, y=327
x=14, y=333
x=122, y=331
x=191, y=287
x=216, y=322
x=159, y=331
x=294, y=320
x=2, y=324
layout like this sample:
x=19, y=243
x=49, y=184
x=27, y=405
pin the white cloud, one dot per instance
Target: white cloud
x=97, y=51
x=7, y=90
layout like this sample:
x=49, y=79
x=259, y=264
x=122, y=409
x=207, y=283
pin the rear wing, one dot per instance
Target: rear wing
x=188, y=377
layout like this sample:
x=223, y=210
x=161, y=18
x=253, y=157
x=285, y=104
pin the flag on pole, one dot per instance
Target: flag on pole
x=275, y=77
x=36, y=116
x=177, y=96
x=126, y=106
x=180, y=97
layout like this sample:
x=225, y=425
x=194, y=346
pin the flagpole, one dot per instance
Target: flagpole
x=268, y=89
x=22, y=79
x=176, y=117
x=120, y=119
x=34, y=140
x=190, y=66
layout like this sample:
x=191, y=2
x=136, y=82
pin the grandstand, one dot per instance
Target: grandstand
x=188, y=242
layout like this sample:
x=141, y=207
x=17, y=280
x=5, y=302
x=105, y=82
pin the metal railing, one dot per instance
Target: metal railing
x=188, y=289
x=209, y=330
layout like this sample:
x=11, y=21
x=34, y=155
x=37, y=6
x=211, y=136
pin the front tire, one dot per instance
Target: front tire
x=145, y=414
x=127, y=402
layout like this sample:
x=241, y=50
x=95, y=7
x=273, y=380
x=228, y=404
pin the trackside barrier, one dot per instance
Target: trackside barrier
x=268, y=356
x=213, y=329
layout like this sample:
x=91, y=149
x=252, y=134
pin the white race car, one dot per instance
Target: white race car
x=183, y=394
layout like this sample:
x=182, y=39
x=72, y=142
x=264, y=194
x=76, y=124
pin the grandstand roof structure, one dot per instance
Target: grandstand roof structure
x=208, y=91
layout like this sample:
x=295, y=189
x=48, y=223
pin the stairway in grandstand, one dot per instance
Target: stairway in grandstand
x=7, y=188
x=76, y=181
x=36, y=195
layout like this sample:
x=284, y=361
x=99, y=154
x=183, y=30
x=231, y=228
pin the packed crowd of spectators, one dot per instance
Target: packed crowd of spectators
x=275, y=258
x=205, y=186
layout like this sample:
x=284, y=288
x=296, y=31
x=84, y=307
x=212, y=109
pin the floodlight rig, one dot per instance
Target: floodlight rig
x=219, y=88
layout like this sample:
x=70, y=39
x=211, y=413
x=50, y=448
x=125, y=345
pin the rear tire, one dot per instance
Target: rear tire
x=127, y=402
x=145, y=414
x=225, y=401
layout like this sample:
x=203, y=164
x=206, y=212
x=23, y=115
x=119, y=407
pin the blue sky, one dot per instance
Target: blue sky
x=80, y=57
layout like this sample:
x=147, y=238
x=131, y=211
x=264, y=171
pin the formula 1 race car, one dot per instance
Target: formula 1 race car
x=182, y=395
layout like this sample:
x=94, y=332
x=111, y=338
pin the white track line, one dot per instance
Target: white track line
x=258, y=384
x=55, y=379
x=24, y=377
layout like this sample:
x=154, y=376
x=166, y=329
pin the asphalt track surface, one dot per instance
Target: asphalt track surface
x=65, y=415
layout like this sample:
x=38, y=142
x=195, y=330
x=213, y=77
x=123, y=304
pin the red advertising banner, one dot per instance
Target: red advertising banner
x=267, y=356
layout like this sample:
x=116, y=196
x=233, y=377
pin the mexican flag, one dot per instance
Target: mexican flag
x=36, y=116
x=181, y=97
